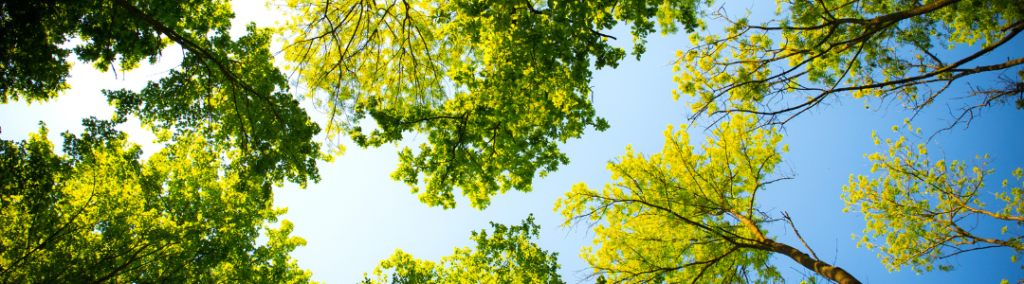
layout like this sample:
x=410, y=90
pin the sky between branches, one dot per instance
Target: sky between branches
x=357, y=216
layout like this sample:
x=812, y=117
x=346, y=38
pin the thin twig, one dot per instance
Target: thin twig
x=786, y=215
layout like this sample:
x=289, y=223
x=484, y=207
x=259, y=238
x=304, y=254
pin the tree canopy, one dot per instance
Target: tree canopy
x=688, y=216
x=101, y=214
x=683, y=215
x=505, y=256
x=919, y=211
x=495, y=84
x=191, y=212
x=247, y=109
x=34, y=55
x=497, y=87
x=236, y=100
x=908, y=52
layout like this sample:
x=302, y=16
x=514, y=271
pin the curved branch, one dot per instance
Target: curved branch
x=195, y=48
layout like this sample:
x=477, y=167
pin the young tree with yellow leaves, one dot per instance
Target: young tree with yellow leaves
x=690, y=216
x=919, y=211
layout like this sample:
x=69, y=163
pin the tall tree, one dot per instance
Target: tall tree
x=909, y=52
x=505, y=256
x=102, y=214
x=892, y=51
x=495, y=84
x=684, y=216
x=688, y=216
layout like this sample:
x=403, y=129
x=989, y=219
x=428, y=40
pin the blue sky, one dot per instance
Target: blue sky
x=357, y=216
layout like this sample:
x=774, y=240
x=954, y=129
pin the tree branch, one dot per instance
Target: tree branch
x=195, y=48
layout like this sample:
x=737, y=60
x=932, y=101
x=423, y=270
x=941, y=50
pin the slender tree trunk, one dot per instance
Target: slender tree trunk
x=824, y=269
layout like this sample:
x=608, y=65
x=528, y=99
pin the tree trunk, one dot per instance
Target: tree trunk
x=824, y=269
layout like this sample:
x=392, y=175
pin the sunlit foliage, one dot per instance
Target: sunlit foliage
x=187, y=214
x=906, y=51
x=495, y=85
x=689, y=216
x=99, y=213
x=921, y=211
x=505, y=256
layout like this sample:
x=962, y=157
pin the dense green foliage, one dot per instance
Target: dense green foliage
x=494, y=84
x=191, y=212
x=505, y=256
x=231, y=99
x=101, y=214
x=34, y=56
x=247, y=111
